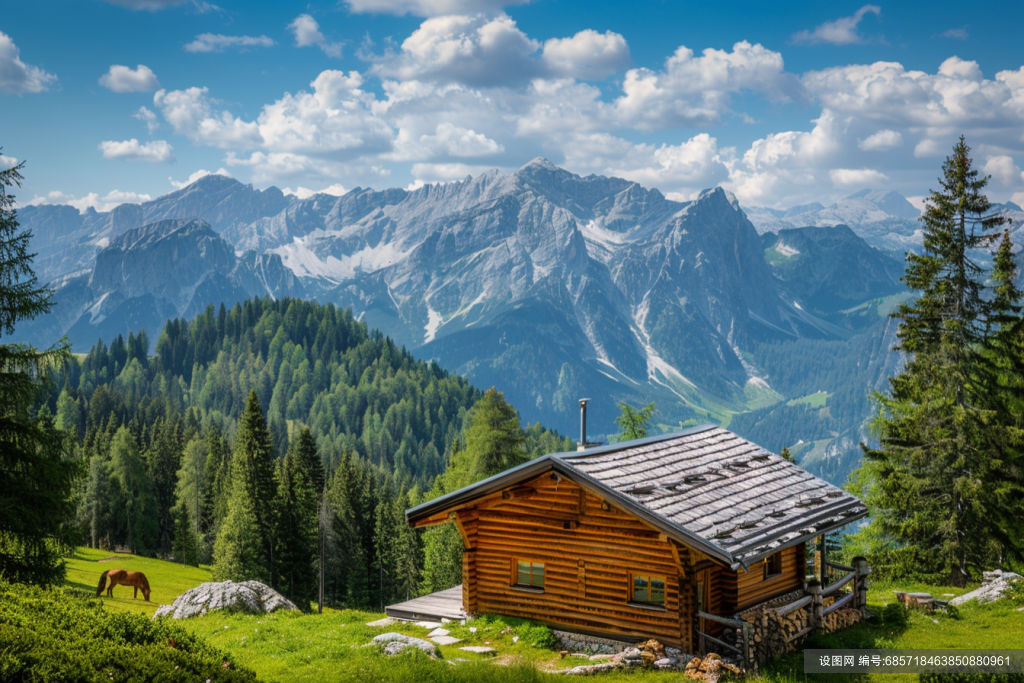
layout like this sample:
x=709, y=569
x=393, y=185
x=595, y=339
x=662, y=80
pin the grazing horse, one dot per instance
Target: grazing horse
x=120, y=577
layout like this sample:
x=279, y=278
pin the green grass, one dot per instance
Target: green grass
x=286, y=646
x=167, y=580
x=883, y=306
x=816, y=400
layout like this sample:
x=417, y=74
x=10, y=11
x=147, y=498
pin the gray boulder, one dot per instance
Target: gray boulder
x=250, y=597
x=393, y=643
x=993, y=585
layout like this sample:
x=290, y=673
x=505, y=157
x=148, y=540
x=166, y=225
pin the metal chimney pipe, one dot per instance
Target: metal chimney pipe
x=583, y=423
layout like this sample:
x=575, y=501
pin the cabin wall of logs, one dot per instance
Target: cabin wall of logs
x=590, y=551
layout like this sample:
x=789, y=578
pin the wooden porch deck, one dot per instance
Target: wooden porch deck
x=446, y=604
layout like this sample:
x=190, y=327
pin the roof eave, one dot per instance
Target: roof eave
x=747, y=561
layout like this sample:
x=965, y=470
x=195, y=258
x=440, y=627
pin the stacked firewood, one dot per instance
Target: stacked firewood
x=841, y=618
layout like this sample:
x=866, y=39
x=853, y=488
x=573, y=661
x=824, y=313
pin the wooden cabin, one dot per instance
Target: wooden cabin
x=634, y=539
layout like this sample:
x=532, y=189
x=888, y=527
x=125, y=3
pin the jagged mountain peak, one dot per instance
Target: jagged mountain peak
x=147, y=235
x=540, y=163
x=889, y=201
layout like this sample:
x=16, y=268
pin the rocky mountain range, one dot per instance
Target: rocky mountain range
x=546, y=284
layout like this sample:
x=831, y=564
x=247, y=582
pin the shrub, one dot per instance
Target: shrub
x=895, y=615
x=52, y=634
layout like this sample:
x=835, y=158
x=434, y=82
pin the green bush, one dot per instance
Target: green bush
x=895, y=615
x=51, y=634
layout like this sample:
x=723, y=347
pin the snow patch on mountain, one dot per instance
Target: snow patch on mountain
x=434, y=321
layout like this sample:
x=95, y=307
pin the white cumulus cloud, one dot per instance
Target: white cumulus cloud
x=92, y=200
x=1002, y=168
x=882, y=140
x=213, y=42
x=842, y=31
x=7, y=162
x=154, y=152
x=588, y=55
x=307, y=33
x=861, y=177
x=148, y=117
x=335, y=120
x=121, y=78
x=336, y=190
x=16, y=76
x=698, y=90
x=460, y=142
x=190, y=113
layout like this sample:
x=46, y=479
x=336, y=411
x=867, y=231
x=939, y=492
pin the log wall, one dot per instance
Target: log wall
x=750, y=587
x=589, y=550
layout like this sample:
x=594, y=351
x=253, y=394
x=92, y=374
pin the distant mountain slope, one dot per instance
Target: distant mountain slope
x=885, y=219
x=147, y=275
x=830, y=271
x=544, y=283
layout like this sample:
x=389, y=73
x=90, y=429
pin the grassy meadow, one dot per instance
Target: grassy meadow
x=293, y=647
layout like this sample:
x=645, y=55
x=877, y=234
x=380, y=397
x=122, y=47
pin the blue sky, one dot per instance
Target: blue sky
x=120, y=100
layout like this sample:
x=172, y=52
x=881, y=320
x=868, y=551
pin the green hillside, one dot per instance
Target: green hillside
x=293, y=647
x=167, y=580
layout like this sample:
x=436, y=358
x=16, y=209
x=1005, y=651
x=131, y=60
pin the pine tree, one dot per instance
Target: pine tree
x=186, y=542
x=37, y=485
x=164, y=461
x=933, y=473
x=136, y=507
x=786, y=455
x=495, y=440
x=296, y=529
x=245, y=544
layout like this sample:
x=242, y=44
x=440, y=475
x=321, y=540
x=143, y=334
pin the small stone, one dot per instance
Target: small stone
x=515, y=639
x=476, y=649
x=445, y=621
x=438, y=632
x=383, y=623
x=472, y=629
x=664, y=663
x=394, y=643
x=428, y=624
x=445, y=640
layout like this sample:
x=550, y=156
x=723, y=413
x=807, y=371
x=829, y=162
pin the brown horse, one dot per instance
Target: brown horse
x=120, y=577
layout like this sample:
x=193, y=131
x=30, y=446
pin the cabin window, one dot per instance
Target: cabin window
x=773, y=566
x=648, y=589
x=529, y=574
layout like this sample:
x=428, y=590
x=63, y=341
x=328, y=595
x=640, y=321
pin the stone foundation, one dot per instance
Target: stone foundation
x=593, y=645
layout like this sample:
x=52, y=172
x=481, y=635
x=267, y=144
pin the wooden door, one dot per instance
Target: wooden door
x=703, y=596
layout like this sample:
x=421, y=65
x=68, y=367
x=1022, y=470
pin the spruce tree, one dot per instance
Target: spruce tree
x=186, y=541
x=36, y=505
x=495, y=440
x=296, y=545
x=245, y=543
x=933, y=472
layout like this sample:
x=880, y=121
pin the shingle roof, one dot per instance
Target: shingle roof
x=706, y=487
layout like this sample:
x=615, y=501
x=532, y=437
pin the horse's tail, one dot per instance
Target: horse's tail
x=103, y=583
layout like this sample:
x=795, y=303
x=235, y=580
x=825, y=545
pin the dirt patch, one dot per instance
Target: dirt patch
x=112, y=558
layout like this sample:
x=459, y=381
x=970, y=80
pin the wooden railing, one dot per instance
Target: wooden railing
x=743, y=633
